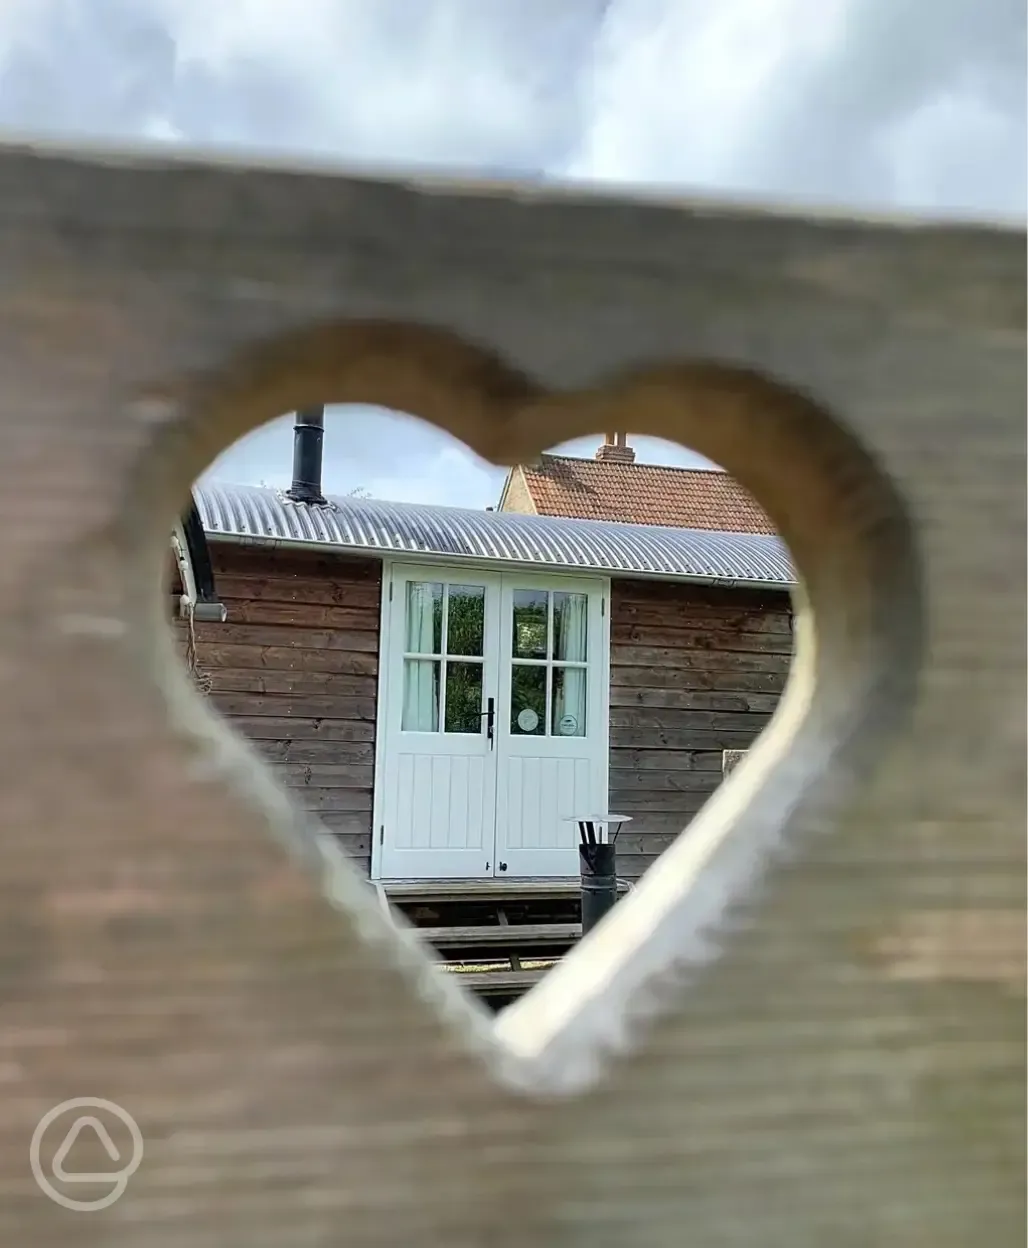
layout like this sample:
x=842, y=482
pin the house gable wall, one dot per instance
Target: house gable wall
x=516, y=495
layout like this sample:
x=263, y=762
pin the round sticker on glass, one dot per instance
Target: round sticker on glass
x=528, y=720
x=568, y=726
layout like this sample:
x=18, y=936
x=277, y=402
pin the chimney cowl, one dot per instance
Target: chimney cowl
x=308, y=448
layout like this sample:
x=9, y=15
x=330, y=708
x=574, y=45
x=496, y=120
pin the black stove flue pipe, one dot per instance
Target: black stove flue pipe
x=308, y=446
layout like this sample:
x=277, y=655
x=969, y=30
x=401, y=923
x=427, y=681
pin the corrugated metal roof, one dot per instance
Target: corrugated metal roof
x=373, y=527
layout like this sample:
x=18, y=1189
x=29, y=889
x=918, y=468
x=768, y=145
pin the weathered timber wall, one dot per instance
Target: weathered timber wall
x=694, y=671
x=295, y=670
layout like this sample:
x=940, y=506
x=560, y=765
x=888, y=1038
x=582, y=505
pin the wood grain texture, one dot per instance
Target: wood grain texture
x=806, y=1025
x=670, y=643
x=667, y=642
x=286, y=687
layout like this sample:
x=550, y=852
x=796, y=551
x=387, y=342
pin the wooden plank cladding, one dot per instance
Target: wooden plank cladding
x=694, y=671
x=295, y=670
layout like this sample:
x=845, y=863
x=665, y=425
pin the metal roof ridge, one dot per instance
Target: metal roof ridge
x=265, y=514
x=347, y=502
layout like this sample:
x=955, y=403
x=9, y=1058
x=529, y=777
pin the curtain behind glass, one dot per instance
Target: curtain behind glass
x=571, y=624
x=421, y=676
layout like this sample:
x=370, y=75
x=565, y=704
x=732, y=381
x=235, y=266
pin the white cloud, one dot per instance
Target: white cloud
x=878, y=103
x=956, y=149
x=390, y=455
x=676, y=88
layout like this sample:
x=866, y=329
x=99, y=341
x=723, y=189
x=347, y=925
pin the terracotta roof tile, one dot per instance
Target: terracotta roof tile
x=688, y=498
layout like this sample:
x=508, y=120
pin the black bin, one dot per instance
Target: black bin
x=597, y=865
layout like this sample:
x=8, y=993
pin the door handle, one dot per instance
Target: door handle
x=489, y=715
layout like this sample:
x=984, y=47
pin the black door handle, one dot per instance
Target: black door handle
x=489, y=715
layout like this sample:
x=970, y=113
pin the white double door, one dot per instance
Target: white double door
x=493, y=731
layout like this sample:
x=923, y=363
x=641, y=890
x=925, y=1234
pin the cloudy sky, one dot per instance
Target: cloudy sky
x=877, y=103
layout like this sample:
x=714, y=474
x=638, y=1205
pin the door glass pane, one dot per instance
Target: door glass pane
x=465, y=620
x=568, y=702
x=420, y=695
x=424, y=632
x=530, y=623
x=463, y=697
x=527, y=701
x=570, y=627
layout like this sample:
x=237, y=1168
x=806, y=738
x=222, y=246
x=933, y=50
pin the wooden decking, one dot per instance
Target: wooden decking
x=499, y=936
x=526, y=935
x=501, y=987
x=483, y=890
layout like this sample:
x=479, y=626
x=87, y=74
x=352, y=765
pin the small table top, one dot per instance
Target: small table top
x=608, y=818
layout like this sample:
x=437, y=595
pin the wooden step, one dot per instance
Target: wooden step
x=498, y=983
x=519, y=934
x=406, y=891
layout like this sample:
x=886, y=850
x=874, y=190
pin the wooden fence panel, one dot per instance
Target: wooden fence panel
x=817, y=997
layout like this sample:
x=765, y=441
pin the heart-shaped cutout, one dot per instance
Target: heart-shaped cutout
x=858, y=636
x=452, y=778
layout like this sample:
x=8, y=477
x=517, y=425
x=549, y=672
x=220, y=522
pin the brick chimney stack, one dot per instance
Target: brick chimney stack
x=615, y=449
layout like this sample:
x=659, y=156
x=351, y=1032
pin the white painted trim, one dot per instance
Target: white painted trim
x=605, y=685
x=381, y=705
x=462, y=565
x=594, y=747
x=788, y=588
x=470, y=861
x=547, y=579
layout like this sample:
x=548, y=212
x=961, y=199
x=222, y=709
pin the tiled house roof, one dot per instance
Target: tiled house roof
x=630, y=493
